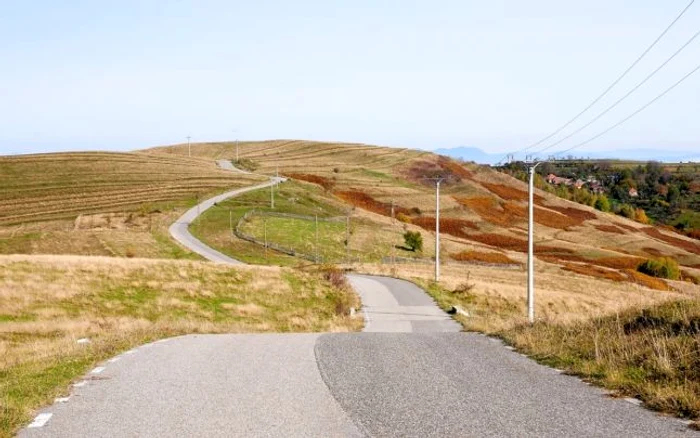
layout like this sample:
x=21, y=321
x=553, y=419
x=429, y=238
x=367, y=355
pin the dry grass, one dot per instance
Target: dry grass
x=483, y=257
x=595, y=271
x=63, y=186
x=48, y=302
x=650, y=352
x=687, y=245
x=365, y=201
x=610, y=229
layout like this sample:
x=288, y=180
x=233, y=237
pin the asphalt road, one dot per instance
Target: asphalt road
x=412, y=374
x=344, y=385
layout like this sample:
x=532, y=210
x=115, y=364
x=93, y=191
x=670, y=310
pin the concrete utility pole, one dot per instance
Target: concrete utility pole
x=531, y=166
x=347, y=237
x=230, y=222
x=265, y=234
x=272, y=194
x=437, y=180
x=189, y=149
x=237, y=159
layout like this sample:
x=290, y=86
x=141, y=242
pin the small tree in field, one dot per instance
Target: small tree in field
x=413, y=240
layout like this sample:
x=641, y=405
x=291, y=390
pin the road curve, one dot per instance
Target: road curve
x=180, y=229
x=419, y=384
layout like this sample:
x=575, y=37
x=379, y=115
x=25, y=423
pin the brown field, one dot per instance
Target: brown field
x=610, y=229
x=595, y=271
x=65, y=185
x=326, y=183
x=687, y=245
x=452, y=226
x=483, y=257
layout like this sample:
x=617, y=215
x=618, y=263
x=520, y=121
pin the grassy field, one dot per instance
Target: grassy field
x=98, y=203
x=371, y=236
x=483, y=212
x=47, y=303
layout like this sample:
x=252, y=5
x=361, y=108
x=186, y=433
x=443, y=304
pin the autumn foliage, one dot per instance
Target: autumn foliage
x=610, y=229
x=366, y=202
x=452, y=226
x=689, y=246
x=324, y=182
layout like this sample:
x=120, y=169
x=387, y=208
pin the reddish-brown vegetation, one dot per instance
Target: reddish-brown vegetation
x=324, y=182
x=610, y=229
x=680, y=243
x=595, y=271
x=509, y=213
x=605, y=262
x=575, y=213
x=453, y=168
x=630, y=275
x=514, y=244
x=627, y=227
x=647, y=281
x=365, y=201
x=452, y=226
x=483, y=257
x=451, y=171
x=652, y=251
x=510, y=193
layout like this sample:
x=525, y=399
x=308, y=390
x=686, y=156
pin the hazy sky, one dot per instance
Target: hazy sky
x=495, y=74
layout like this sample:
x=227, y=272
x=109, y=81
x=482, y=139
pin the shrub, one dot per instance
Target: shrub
x=602, y=203
x=413, y=240
x=641, y=216
x=662, y=267
x=403, y=218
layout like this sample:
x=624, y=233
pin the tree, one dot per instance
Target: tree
x=413, y=240
x=602, y=203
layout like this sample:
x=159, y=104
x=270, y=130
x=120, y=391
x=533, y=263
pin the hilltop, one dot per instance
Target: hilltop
x=483, y=212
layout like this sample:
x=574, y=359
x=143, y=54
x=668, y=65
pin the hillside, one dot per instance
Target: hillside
x=483, y=211
x=100, y=203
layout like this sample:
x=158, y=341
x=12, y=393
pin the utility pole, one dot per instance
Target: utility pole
x=347, y=237
x=437, y=180
x=265, y=234
x=189, y=149
x=237, y=150
x=393, y=247
x=272, y=194
x=230, y=223
x=531, y=165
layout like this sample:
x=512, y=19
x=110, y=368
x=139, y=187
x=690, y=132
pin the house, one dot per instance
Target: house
x=633, y=193
x=557, y=180
x=578, y=184
x=596, y=188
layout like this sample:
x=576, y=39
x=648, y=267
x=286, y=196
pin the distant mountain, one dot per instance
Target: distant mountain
x=470, y=154
x=478, y=156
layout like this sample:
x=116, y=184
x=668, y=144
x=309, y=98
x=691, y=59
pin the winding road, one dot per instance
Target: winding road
x=411, y=373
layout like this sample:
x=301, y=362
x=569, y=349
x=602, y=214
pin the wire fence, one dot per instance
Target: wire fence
x=289, y=250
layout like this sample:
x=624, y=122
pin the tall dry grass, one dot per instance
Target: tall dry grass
x=47, y=303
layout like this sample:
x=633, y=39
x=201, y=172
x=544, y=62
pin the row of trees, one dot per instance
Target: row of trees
x=645, y=192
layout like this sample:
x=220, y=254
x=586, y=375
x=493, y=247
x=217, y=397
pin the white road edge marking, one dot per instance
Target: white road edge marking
x=62, y=399
x=634, y=401
x=79, y=384
x=98, y=370
x=130, y=351
x=40, y=420
x=114, y=359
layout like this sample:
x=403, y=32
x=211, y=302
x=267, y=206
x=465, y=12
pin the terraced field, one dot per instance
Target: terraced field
x=59, y=186
x=482, y=211
x=99, y=203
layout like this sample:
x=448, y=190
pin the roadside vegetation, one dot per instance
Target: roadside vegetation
x=633, y=340
x=48, y=303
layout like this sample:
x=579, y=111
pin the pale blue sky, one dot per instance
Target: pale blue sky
x=123, y=75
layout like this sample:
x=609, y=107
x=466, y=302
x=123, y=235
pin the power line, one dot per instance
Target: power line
x=635, y=88
x=645, y=106
x=610, y=87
